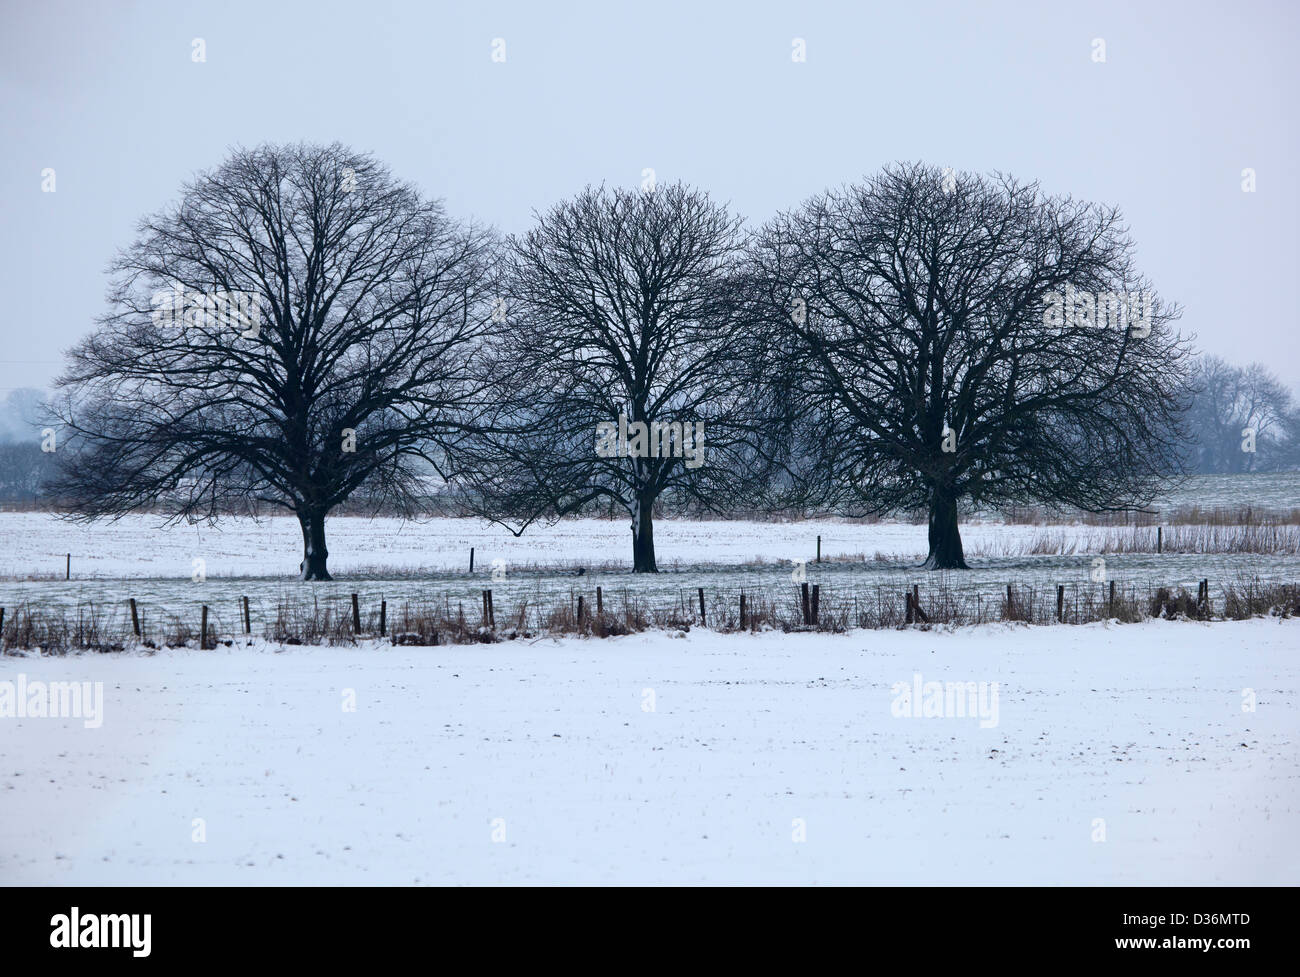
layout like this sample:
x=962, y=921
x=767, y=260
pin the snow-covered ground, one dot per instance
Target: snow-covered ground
x=655, y=758
x=418, y=562
x=36, y=544
x=139, y=546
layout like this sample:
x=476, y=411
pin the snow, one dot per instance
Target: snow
x=138, y=546
x=173, y=572
x=141, y=546
x=550, y=746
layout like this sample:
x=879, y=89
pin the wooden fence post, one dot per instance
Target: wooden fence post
x=203, y=629
x=1160, y=535
x=1009, y=614
x=492, y=610
x=356, y=615
x=580, y=610
x=248, y=619
x=819, y=549
x=914, y=612
x=600, y=604
x=816, y=604
x=742, y=610
x=471, y=559
x=702, y=620
x=135, y=618
x=1110, y=606
x=68, y=574
x=807, y=608
x=383, y=618
x=1060, y=603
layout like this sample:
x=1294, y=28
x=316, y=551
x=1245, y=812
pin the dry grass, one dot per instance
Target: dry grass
x=1271, y=538
x=435, y=623
x=1239, y=515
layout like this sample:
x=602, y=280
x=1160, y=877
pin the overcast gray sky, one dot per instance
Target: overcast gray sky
x=1189, y=95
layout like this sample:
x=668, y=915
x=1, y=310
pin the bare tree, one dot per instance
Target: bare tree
x=624, y=366
x=949, y=338
x=1239, y=419
x=1288, y=449
x=25, y=458
x=22, y=414
x=299, y=328
x=24, y=468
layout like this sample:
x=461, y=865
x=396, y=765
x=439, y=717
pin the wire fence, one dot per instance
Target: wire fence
x=600, y=611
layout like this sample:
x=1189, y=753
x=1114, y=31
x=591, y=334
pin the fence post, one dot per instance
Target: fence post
x=2, y=622
x=917, y=613
x=1110, y=606
x=1160, y=538
x=248, y=619
x=356, y=615
x=580, y=610
x=135, y=618
x=68, y=575
x=600, y=604
x=1009, y=614
x=492, y=610
x=742, y=611
x=816, y=604
x=1060, y=603
x=807, y=609
x=702, y=620
x=203, y=629
x=907, y=603
x=819, y=549
x=383, y=618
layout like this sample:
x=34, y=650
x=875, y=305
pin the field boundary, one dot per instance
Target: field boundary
x=596, y=612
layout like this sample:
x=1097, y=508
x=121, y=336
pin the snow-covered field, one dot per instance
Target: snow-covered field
x=139, y=546
x=655, y=758
x=417, y=562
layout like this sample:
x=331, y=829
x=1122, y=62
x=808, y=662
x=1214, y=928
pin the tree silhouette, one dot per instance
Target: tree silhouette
x=624, y=363
x=299, y=328
x=953, y=337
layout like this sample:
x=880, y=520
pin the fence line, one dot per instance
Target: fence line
x=346, y=618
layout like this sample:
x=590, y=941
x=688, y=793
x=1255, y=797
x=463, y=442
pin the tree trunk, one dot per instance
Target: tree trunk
x=643, y=537
x=314, y=552
x=945, y=537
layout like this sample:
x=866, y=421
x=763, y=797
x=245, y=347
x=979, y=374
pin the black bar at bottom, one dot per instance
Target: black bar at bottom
x=945, y=926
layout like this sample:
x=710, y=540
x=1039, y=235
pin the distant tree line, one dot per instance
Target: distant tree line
x=24, y=467
x=1242, y=419
x=303, y=332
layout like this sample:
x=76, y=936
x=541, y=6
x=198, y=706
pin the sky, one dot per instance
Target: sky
x=1189, y=95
